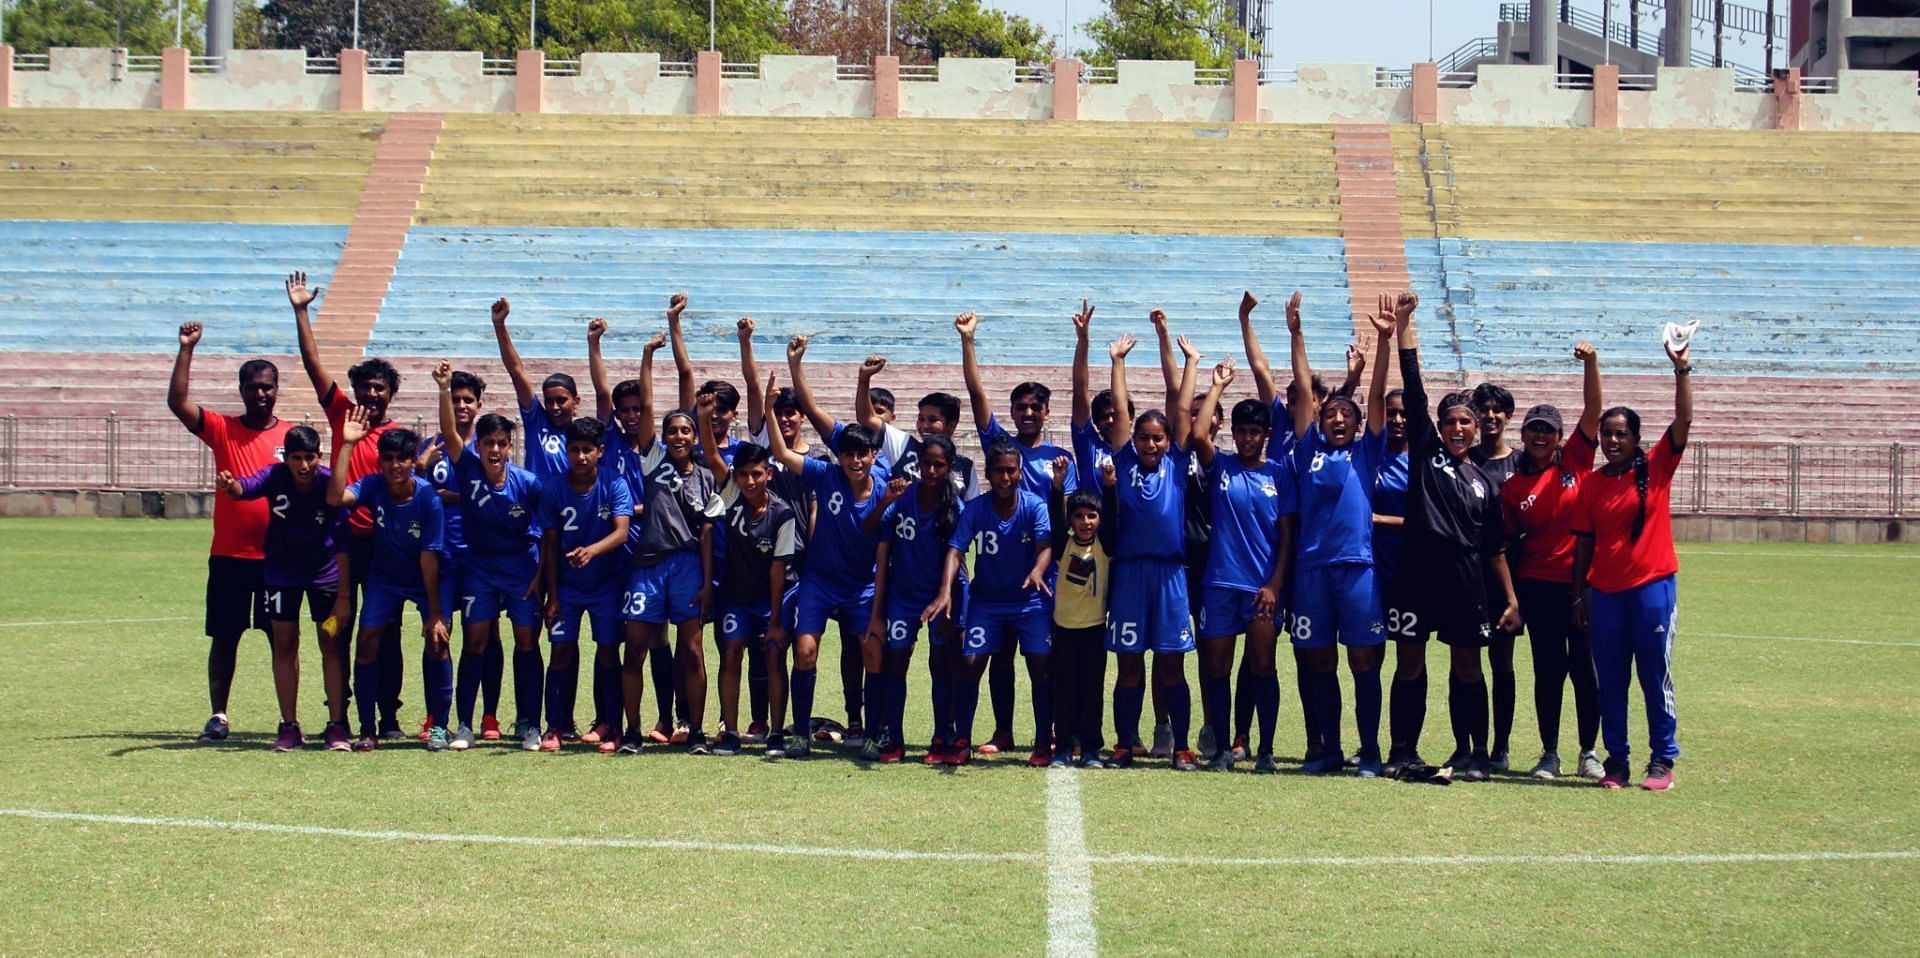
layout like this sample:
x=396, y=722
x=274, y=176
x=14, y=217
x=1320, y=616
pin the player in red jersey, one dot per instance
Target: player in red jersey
x=236, y=566
x=1623, y=522
x=1537, y=506
x=374, y=382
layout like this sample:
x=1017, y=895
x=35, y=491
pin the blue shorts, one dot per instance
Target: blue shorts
x=816, y=605
x=1335, y=603
x=1226, y=612
x=485, y=593
x=740, y=623
x=1147, y=607
x=601, y=611
x=903, y=619
x=381, y=603
x=666, y=591
x=990, y=631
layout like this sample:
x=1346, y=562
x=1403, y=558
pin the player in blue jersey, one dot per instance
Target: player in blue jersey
x=499, y=512
x=1148, y=607
x=1030, y=405
x=838, y=581
x=672, y=558
x=1390, y=497
x=584, y=518
x=1011, y=538
x=1255, y=511
x=303, y=534
x=1093, y=415
x=633, y=414
x=469, y=396
x=755, y=593
x=855, y=677
x=938, y=414
x=408, y=539
x=545, y=415
x=920, y=515
x=1335, y=599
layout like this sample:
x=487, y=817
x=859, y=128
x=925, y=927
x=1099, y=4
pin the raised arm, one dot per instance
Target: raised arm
x=643, y=436
x=750, y=371
x=1123, y=422
x=682, y=364
x=1592, y=400
x=863, y=395
x=803, y=394
x=1082, y=398
x=352, y=429
x=1168, y=371
x=1180, y=405
x=1356, y=367
x=186, y=410
x=776, y=443
x=1383, y=326
x=710, y=451
x=1256, y=357
x=509, y=356
x=967, y=324
x=896, y=487
x=597, y=370
x=1057, y=520
x=1420, y=427
x=1682, y=396
x=443, y=377
x=301, y=297
x=1203, y=437
x=1306, y=405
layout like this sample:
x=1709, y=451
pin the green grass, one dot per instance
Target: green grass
x=1790, y=746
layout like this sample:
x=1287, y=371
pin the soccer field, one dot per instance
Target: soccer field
x=1795, y=826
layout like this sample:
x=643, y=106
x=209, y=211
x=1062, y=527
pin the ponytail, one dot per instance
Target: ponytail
x=1640, y=486
x=948, y=514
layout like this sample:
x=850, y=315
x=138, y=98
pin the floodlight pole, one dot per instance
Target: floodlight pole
x=712, y=32
x=889, y=46
x=179, y=21
x=533, y=12
x=356, y=24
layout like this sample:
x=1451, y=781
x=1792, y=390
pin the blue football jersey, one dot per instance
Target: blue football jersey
x=1090, y=452
x=917, y=556
x=1037, y=476
x=1247, y=505
x=840, y=556
x=1336, y=498
x=582, y=519
x=1004, y=550
x=500, y=523
x=1390, y=499
x=401, y=530
x=1152, y=504
x=546, y=445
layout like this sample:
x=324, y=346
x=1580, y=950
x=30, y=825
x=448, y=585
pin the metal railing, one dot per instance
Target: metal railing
x=740, y=71
x=1212, y=76
x=1095, y=74
x=561, y=68
x=1388, y=78
x=143, y=63
x=1649, y=41
x=323, y=65
x=1033, y=74
x=491, y=67
x=206, y=64
x=387, y=65
x=1458, y=79
x=1820, y=85
x=1752, y=84
x=1472, y=51
x=676, y=68
x=853, y=71
x=919, y=72
x=30, y=63
x=1573, y=81
x=1724, y=478
x=1278, y=77
x=1639, y=81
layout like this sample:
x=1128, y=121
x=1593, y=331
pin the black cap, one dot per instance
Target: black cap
x=1545, y=413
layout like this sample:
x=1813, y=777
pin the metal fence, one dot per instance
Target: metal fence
x=1728, y=478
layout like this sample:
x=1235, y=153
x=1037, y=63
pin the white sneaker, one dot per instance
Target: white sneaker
x=1162, y=740
x=463, y=739
x=1548, y=768
x=1590, y=766
x=530, y=739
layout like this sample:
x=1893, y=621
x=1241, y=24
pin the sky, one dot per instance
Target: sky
x=1381, y=32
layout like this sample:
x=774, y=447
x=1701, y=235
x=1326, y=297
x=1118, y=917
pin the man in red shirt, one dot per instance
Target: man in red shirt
x=236, y=567
x=374, y=382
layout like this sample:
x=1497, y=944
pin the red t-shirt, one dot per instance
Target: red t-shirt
x=1539, y=510
x=239, y=528
x=366, y=453
x=1605, y=509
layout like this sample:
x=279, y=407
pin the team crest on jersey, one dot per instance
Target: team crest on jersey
x=605, y=513
x=413, y=529
x=1567, y=479
x=516, y=511
x=1269, y=490
x=1479, y=491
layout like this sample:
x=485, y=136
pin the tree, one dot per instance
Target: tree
x=746, y=29
x=1203, y=31
x=143, y=27
x=388, y=28
x=923, y=31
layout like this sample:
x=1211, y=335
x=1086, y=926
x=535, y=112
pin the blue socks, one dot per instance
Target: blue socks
x=802, y=689
x=563, y=685
x=1179, y=698
x=1326, y=689
x=942, y=682
x=1366, y=710
x=1043, y=711
x=529, y=676
x=874, y=696
x=660, y=667
x=366, y=692
x=438, y=676
x=469, y=684
x=1266, y=694
x=966, y=701
x=492, y=665
x=1220, y=692
x=897, y=709
x=1127, y=701
x=1000, y=681
x=607, y=693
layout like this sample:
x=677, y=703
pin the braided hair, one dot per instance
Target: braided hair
x=1640, y=477
x=948, y=514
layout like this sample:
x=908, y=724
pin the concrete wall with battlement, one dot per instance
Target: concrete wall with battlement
x=1140, y=91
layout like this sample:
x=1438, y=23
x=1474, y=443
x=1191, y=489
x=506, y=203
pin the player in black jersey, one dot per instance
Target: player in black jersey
x=1453, y=579
x=1493, y=407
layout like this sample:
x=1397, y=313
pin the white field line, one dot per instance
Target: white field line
x=1800, y=638
x=881, y=854
x=1799, y=555
x=1070, y=928
x=55, y=622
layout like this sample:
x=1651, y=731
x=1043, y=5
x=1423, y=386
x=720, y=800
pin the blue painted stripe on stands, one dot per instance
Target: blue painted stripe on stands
x=77, y=286
x=1764, y=309
x=855, y=292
